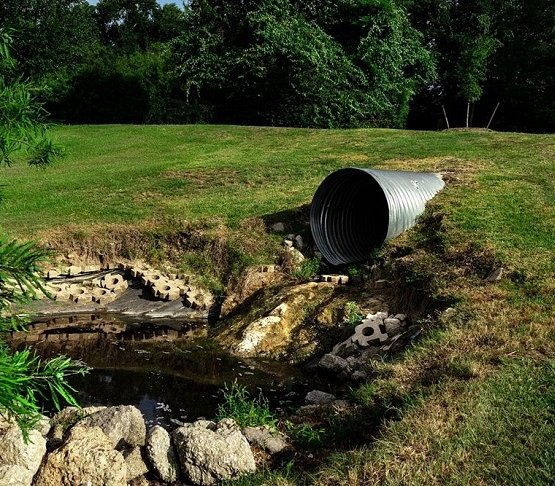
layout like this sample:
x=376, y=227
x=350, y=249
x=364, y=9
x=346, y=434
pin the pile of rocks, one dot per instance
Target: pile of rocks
x=376, y=335
x=111, y=446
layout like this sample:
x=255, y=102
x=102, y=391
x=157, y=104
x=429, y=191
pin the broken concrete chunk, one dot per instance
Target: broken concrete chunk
x=368, y=332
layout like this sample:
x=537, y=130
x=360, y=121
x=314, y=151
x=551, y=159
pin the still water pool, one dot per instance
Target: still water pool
x=170, y=370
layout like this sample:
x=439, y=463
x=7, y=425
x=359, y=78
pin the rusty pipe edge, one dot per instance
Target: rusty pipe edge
x=355, y=210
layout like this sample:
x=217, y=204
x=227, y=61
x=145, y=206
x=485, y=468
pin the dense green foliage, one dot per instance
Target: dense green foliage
x=318, y=63
x=24, y=378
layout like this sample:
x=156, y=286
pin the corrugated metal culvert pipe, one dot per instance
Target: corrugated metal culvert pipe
x=355, y=210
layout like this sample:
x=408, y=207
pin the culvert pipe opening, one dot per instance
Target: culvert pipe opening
x=355, y=210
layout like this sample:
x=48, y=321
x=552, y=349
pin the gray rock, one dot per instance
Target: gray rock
x=65, y=419
x=295, y=255
x=43, y=425
x=317, y=397
x=14, y=475
x=135, y=464
x=392, y=326
x=273, y=443
x=359, y=375
x=310, y=410
x=210, y=452
x=369, y=353
x=124, y=425
x=87, y=457
x=288, y=243
x=401, y=317
x=278, y=227
x=353, y=362
x=345, y=349
x=162, y=455
x=19, y=461
x=334, y=364
x=495, y=275
x=299, y=243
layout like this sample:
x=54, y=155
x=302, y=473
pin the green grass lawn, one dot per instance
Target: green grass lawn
x=487, y=415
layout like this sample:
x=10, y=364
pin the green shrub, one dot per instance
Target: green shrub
x=352, y=313
x=245, y=410
x=308, y=268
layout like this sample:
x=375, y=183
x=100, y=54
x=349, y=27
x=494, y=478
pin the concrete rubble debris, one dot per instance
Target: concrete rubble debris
x=369, y=331
x=103, y=296
x=337, y=279
x=114, y=281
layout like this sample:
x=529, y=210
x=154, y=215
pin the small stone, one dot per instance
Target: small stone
x=296, y=256
x=359, y=376
x=401, y=317
x=288, y=243
x=345, y=349
x=495, y=275
x=392, y=326
x=317, y=397
x=278, y=227
x=380, y=284
x=273, y=443
x=299, y=243
x=334, y=364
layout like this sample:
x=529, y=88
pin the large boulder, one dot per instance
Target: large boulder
x=211, y=452
x=19, y=460
x=64, y=420
x=161, y=454
x=283, y=325
x=124, y=425
x=87, y=457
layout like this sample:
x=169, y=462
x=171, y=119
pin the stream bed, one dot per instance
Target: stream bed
x=170, y=370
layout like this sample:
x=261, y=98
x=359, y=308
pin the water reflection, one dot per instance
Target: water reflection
x=170, y=370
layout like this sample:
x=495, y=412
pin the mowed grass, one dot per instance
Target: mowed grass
x=132, y=174
x=475, y=396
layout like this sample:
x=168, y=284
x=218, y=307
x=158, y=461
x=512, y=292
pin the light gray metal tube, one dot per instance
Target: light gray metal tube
x=355, y=210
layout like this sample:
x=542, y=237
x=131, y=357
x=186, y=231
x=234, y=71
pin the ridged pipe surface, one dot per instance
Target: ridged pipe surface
x=355, y=210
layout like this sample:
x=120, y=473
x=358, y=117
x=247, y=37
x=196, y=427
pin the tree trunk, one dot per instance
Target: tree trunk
x=467, y=112
x=493, y=114
x=445, y=115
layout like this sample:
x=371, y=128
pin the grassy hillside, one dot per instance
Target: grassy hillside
x=474, y=400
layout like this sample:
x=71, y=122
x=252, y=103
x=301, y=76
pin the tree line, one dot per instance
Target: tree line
x=313, y=63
